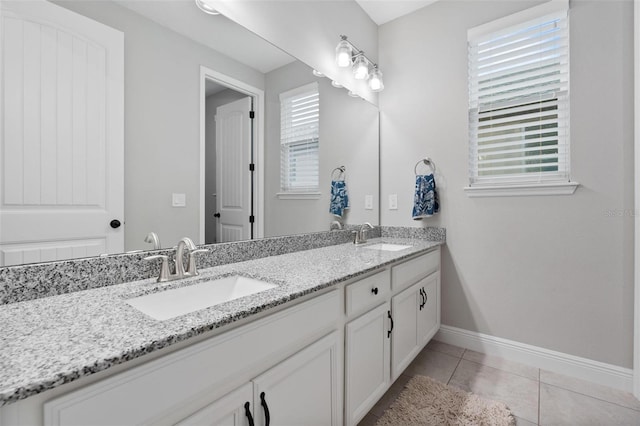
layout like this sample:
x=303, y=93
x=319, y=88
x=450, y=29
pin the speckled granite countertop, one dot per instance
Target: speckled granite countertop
x=47, y=342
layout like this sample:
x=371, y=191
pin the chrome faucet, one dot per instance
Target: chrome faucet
x=153, y=238
x=180, y=271
x=360, y=237
x=335, y=225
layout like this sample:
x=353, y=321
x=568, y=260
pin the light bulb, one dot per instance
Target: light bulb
x=360, y=67
x=317, y=73
x=343, y=53
x=206, y=8
x=336, y=84
x=375, y=80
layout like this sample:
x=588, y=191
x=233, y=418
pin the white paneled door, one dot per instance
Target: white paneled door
x=233, y=143
x=62, y=112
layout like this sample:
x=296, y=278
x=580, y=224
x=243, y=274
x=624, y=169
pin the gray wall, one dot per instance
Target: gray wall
x=213, y=101
x=348, y=137
x=162, y=121
x=550, y=271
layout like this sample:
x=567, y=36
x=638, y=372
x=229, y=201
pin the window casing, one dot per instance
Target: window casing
x=519, y=98
x=300, y=139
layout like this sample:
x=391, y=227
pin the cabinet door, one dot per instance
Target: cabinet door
x=302, y=390
x=367, y=362
x=429, y=315
x=405, y=308
x=230, y=410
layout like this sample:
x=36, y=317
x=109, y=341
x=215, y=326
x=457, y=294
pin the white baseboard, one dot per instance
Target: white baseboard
x=570, y=365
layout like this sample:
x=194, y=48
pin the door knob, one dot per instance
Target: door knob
x=115, y=223
x=216, y=215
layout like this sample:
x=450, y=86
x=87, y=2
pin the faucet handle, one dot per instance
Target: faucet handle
x=164, y=268
x=192, y=269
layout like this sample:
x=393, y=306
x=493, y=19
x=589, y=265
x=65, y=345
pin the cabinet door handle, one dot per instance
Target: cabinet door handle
x=421, y=300
x=391, y=329
x=247, y=413
x=267, y=417
x=374, y=290
x=426, y=298
x=423, y=295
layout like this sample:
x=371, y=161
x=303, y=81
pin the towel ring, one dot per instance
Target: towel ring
x=427, y=161
x=340, y=171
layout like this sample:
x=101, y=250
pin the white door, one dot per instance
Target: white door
x=61, y=173
x=234, y=409
x=404, y=346
x=233, y=194
x=302, y=390
x=367, y=369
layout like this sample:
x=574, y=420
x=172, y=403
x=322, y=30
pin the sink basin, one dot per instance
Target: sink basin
x=179, y=301
x=387, y=247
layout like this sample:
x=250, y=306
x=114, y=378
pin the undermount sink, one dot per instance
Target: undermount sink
x=387, y=247
x=179, y=301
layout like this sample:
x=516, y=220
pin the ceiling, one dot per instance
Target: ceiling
x=383, y=11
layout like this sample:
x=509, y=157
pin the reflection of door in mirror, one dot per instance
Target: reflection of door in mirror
x=233, y=143
x=62, y=169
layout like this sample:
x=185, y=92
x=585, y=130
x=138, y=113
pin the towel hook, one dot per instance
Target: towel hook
x=427, y=161
x=340, y=171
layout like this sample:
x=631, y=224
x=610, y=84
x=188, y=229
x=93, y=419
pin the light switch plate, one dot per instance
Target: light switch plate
x=393, y=201
x=178, y=200
x=368, y=202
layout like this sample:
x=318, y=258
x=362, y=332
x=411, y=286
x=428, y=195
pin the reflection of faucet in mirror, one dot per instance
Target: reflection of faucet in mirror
x=180, y=271
x=335, y=225
x=153, y=238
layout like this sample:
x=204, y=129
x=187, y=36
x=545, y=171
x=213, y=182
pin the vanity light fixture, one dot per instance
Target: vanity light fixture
x=204, y=6
x=348, y=55
x=336, y=84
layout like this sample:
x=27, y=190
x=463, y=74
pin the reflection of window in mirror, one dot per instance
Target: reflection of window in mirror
x=299, y=139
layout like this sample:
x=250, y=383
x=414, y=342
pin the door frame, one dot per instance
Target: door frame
x=636, y=213
x=258, y=138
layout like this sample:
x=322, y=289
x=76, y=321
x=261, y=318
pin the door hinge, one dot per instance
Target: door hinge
x=252, y=167
x=252, y=219
x=252, y=114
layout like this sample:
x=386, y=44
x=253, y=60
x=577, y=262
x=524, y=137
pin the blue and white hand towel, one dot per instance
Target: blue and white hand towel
x=425, y=200
x=339, y=198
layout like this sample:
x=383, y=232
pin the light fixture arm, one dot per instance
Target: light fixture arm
x=356, y=51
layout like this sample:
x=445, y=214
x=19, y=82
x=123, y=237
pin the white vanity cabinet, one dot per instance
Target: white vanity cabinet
x=367, y=361
x=302, y=390
x=416, y=320
x=395, y=326
x=171, y=388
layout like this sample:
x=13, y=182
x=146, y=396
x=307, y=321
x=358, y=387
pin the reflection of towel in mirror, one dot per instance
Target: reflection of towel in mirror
x=339, y=198
x=425, y=200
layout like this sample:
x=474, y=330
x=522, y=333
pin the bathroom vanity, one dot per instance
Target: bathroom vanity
x=320, y=348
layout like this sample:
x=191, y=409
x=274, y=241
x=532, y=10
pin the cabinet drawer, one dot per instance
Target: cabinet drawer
x=367, y=292
x=411, y=271
x=147, y=393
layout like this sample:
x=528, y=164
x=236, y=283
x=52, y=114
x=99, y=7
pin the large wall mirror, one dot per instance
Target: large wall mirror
x=183, y=72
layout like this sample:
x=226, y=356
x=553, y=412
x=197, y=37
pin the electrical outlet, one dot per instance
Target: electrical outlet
x=368, y=202
x=393, y=201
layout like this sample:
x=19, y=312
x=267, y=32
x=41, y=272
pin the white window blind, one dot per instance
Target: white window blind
x=299, y=139
x=519, y=98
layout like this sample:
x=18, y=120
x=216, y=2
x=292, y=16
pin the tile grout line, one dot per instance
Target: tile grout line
x=591, y=396
x=454, y=370
x=539, y=392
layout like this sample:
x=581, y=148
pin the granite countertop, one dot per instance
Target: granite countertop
x=55, y=340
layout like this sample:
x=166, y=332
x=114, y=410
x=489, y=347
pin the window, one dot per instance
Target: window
x=519, y=100
x=299, y=139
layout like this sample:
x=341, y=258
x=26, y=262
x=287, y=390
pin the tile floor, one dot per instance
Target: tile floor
x=535, y=396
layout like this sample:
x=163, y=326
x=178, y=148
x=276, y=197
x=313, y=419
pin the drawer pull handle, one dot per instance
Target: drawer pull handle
x=391, y=329
x=374, y=290
x=422, y=297
x=247, y=413
x=267, y=417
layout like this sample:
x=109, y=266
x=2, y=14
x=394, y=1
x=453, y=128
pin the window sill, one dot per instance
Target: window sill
x=299, y=195
x=518, y=190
